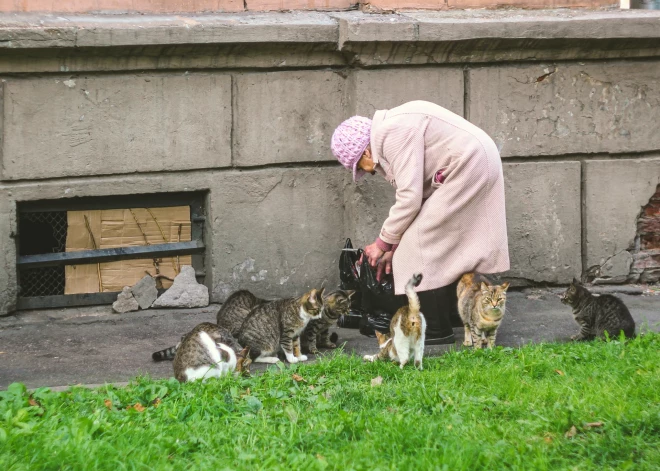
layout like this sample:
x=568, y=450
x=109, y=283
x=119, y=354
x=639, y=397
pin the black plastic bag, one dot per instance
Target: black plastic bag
x=350, y=280
x=348, y=274
x=378, y=300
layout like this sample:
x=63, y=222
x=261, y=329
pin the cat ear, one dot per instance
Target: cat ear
x=350, y=293
x=505, y=286
x=320, y=295
x=379, y=337
x=313, y=296
x=575, y=281
x=484, y=287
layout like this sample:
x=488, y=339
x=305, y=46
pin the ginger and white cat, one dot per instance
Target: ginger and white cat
x=407, y=332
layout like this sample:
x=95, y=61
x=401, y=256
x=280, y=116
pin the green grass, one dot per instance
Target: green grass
x=501, y=409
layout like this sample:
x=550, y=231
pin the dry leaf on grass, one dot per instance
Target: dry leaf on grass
x=34, y=402
x=377, y=381
x=156, y=402
x=138, y=407
x=593, y=424
x=547, y=439
x=108, y=403
x=297, y=377
x=560, y=372
x=571, y=433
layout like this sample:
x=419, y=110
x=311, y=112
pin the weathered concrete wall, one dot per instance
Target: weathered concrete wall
x=243, y=108
x=555, y=109
x=99, y=125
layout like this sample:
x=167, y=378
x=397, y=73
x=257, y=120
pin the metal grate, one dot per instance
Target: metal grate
x=45, y=281
x=41, y=233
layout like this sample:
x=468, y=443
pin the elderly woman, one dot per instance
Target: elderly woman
x=449, y=216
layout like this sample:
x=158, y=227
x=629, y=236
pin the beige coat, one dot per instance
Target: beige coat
x=443, y=229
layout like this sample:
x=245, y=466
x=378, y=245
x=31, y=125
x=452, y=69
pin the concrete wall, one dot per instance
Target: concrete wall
x=243, y=107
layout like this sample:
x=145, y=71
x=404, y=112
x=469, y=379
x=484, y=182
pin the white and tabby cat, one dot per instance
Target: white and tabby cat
x=202, y=354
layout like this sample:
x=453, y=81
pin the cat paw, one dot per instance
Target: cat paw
x=467, y=343
x=302, y=358
x=330, y=345
x=368, y=358
x=291, y=359
x=418, y=364
x=314, y=351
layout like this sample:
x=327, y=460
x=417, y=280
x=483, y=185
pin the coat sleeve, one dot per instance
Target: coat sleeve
x=404, y=148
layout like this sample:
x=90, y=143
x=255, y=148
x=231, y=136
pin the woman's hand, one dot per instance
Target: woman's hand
x=373, y=254
x=385, y=265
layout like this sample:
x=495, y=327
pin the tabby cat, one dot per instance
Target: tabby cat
x=481, y=307
x=204, y=354
x=407, y=331
x=597, y=314
x=278, y=324
x=235, y=310
x=317, y=332
x=231, y=316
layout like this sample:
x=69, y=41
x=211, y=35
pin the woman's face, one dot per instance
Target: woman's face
x=366, y=162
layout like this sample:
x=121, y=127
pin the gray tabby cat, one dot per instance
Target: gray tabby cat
x=231, y=316
x=597, y=314
x=208, y=351
x=278, y=324
x=317, y=332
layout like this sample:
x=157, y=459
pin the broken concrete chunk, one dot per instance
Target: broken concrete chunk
x=125, y=302
x=145, y=292
x=184, y=292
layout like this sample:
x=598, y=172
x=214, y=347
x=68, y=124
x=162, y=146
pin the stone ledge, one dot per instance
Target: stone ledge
x=38, y=31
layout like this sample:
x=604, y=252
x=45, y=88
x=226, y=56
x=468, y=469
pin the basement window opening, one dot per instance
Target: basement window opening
x=83, y=251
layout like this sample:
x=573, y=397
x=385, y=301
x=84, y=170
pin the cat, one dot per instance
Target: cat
x=316, y=334
x=230, y=316
x=278, y=324
x=597, y=314
x=407, y=332
x=203, y=354
x=481, y=306
x=235, y=310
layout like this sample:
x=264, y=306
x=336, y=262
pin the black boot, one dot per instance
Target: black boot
x=447, y=300
x=438, y=326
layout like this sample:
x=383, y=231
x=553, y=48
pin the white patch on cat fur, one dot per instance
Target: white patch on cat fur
x=306, y=316
x=231, y=364
x=210, y=346
x=266, y=359
x=291, y=358
x=202, y=372
x=302, y=357
x=404, y=346
x=419, y=345
x=220, y=368
x=401, y=350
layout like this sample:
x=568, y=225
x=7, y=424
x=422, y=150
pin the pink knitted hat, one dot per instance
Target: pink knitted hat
x=349, y=141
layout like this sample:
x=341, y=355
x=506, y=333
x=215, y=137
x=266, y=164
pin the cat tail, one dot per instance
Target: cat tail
x=413, y=299
x=162, y=355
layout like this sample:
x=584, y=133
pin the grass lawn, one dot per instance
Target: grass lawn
x=552, y=406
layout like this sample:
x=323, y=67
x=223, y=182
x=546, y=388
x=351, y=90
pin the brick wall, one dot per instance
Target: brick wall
x=646, y=258
x=190, y=6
